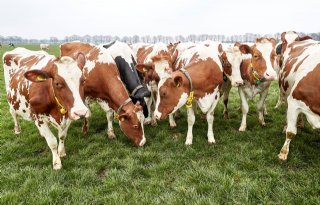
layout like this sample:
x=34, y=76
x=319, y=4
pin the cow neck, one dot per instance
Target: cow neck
x=252, y=75
x=121, y=108
x=190, y=96
x=62, y=109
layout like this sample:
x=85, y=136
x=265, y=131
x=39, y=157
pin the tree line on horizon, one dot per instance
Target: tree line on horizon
x=98, y=39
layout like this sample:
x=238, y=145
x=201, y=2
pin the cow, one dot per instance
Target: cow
x=103, y=84
x=200, y=79
x=46, y=90
x=257, y=72
x=299, y=83
x=44, y=47
x=11, y=45
x=152, y=61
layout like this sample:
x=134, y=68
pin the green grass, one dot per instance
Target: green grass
x=242, y=168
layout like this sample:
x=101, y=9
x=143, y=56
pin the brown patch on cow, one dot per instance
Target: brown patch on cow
x=307, y=90
x=299, y=64
x=227, y=68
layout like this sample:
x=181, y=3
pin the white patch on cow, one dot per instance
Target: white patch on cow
x=235, y=59
x=71, y=73
x=181, y=102
x=291, y=37
x=266, y=49
x=90, y=65
x=123, y=50
x=205, y=103
x=246, y=56
x=160, y=67
x=104, y=56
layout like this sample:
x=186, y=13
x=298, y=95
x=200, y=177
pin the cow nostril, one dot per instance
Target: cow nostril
x=135, y=126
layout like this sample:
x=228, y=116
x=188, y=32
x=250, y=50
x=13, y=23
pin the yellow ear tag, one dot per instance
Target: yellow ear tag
x=145, y=70
x=40, y=78
x=116, y=116
x=63, y=111
x=189, y=100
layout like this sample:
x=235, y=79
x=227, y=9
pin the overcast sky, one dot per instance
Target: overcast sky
x=60, y=18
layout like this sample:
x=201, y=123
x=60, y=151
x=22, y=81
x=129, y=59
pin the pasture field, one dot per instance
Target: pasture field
x=241, y=168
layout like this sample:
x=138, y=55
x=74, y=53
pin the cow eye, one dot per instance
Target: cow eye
x=256, y=56
x=58, y=85
x=162, y=94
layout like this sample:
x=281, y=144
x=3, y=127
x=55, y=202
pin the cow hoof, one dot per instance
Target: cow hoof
x=62, y=154
x=173, y=125
x=188, y=142
x=84, y=130
x=17, y=131
x=57, y=166
x=225, y=116
x=154, y=123
x=111, y=134
x=242, y=128
x=211, y=142
x=147, y=121
x=282, y=157
x=262, y=123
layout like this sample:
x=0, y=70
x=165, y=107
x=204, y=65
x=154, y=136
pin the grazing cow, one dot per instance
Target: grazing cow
x=257, y=72
x=299, y=83
x=11, y=45
x=103, y=84
x=125, y=60
x=44, y=47
x=200, y=79
x=47, y=90
x=152, y=60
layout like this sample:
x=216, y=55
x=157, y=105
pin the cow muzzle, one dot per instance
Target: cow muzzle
x=237, y=83
x=157, y=114
x=80, y=112
x=270, y=74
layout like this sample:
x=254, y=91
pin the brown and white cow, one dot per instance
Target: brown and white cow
x=103, y=84
x=47, y=90
x=152, y=61
x=257, y=73
x=200, y=79
x=299, y=83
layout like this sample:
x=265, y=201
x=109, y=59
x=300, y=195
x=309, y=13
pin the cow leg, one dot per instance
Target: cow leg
x=300, y=122
x=210, y=118
x=17, y=128
x=261, y=107
x=148, y=100
x=191, y=119
x=225, y=101
x=280, y=101
x=109, y=115
x=171, y=121
x=51, y=141
x=110, y=132
x=265, y=111
x=291, y=131
x=244, y=110
x=62, y=136
x=153, y=104
x=85, y=126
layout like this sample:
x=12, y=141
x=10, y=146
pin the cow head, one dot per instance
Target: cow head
x=131, y=123
x=231, y=60
x=262, y=56
x=66, y=84
x=154, y=69
x=172, y=94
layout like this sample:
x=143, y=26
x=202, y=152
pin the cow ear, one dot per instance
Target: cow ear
x=178, y=81
x=81, y=60
x=304, y=38
x=123, y=117
x=37, y=75
x=220, y=49
x=143, y=68
x=245, y=49
x=238, y=44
